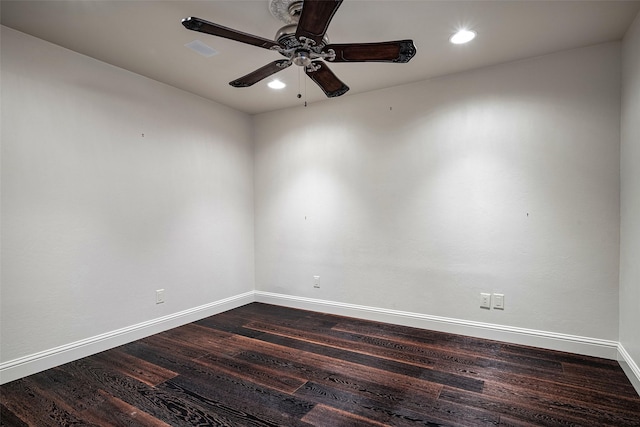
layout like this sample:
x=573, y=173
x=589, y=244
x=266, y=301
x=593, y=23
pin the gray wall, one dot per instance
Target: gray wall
x=630, y=198
x=96, y=216
x=419, y=197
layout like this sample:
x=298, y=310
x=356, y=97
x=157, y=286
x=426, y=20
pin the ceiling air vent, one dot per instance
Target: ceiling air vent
x=202, y=48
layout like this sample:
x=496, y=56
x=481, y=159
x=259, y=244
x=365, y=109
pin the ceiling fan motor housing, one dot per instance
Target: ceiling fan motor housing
x=286, y=36
x=300, y=53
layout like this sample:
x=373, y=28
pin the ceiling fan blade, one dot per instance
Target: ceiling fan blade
x=315, y=18
x=261, y=73
x=331, y=85
x=400, y=51
x=197, y=24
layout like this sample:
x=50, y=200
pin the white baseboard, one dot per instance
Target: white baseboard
x=31, y=364
x=535, y=338
x=629, y=366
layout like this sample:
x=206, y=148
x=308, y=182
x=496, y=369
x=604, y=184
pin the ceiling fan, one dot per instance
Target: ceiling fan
x=304, y=42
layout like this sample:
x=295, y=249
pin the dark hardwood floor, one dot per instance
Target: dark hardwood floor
x=263, y=365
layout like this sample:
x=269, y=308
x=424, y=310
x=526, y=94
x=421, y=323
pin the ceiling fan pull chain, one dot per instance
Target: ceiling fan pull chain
x=299, y=79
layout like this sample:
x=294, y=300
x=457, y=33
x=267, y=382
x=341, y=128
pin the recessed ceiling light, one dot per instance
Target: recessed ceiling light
x=462, y=36
x=276, y=84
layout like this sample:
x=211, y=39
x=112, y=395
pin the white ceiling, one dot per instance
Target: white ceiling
x=146, y=37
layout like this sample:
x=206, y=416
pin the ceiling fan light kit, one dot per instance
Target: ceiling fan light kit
x=303, y=41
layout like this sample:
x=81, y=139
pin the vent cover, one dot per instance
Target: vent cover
x=201, y=48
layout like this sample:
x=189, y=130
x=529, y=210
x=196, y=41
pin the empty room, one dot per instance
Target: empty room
x=320, y=213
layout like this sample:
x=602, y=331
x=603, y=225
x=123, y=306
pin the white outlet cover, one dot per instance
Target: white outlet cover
x=485, y=300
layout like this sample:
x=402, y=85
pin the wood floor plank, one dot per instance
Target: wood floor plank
x=318, y=367
x=597, y=376
x=426, y=374
x=392, y=391
x=193, y=335
x=159, y=355
x=115, y=412
x=151, y=400
x=134, y=367
x=570, y=407
x=181, y=349
x=520, y=369
x=258, y=373
x=264, y=365
x=559, y=356
x=279, y=314
x=37, y=407
x=366, y=407
x=602, y=397
x=506, y=421
x=515, y=409
x=59, y=385
x=250, y=399
x=367, y=344
x=165, y=358
x=541, y=409
x=231, y=324
x=562, y=379
x=322, y=415
x=458, y=343
x=283, y=316
x=9, y=419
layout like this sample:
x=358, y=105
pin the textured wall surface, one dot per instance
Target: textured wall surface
x=113, y=186
x=419, y=197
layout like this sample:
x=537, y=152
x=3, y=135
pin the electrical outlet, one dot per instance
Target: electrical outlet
x=159, y=296
x=485, y=301
x=498, y=301
x=316, y=281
